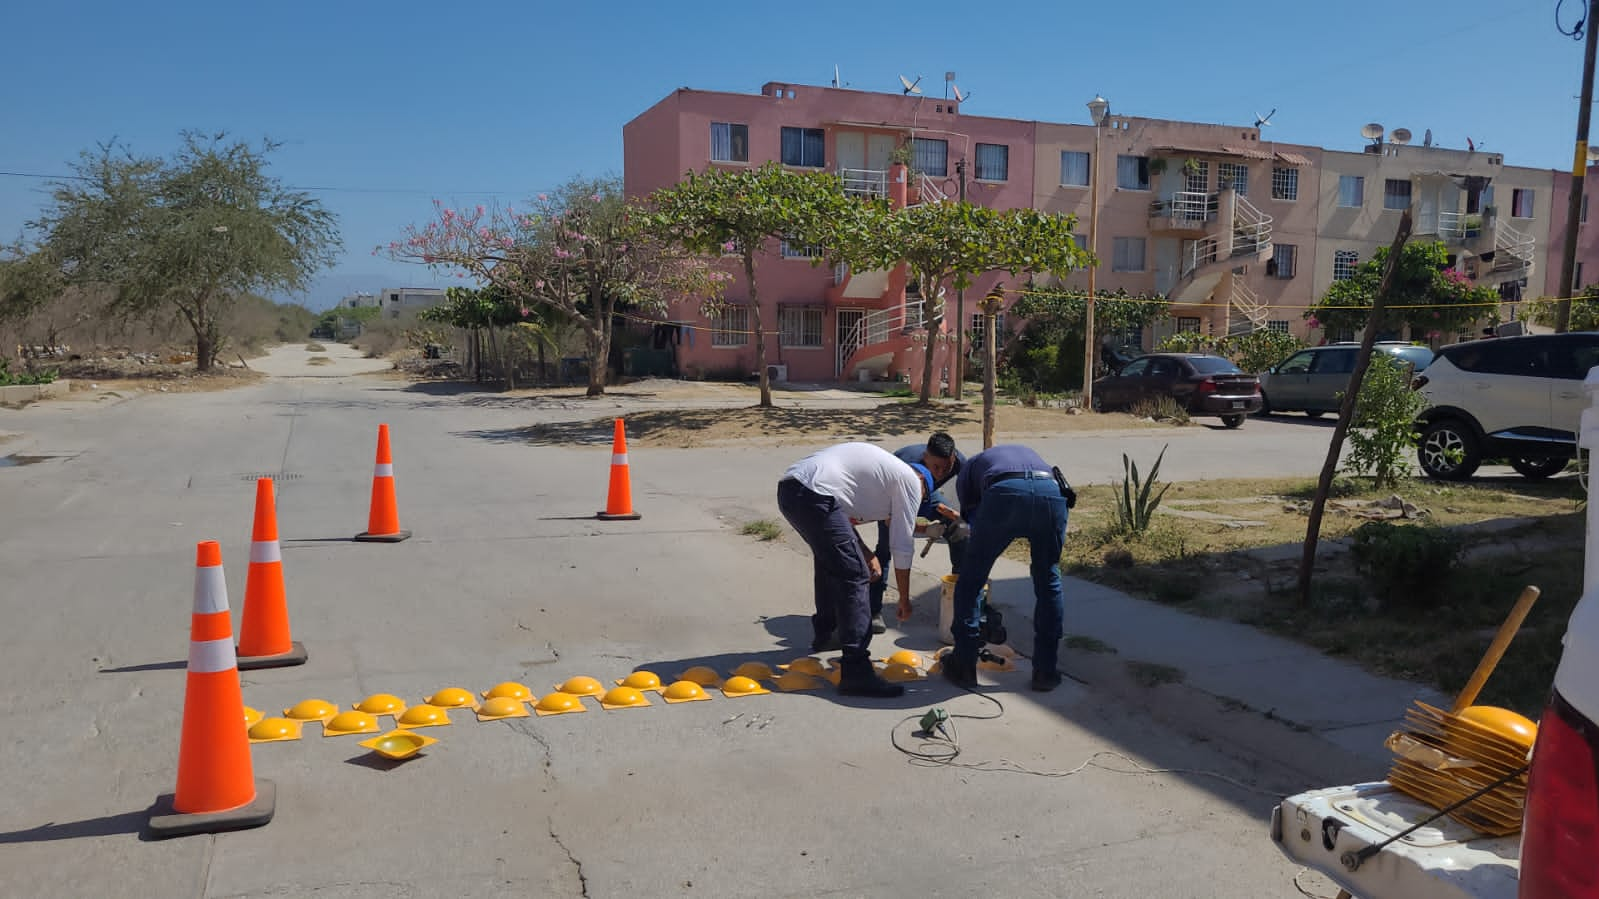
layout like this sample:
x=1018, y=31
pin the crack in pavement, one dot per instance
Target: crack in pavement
x=582, y=879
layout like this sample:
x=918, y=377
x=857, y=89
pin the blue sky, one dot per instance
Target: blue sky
x=394, y=104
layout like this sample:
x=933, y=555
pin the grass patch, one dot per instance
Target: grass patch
x=314, y=347
x=1148, y=674
x=1210, y=565
x=319, y=360
x=762, y=529
x=1088, y=644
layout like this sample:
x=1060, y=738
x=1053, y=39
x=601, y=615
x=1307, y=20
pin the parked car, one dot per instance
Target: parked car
x=1312, y=380
x=1203, y=385
x=1516, y=398
x=1556, y=855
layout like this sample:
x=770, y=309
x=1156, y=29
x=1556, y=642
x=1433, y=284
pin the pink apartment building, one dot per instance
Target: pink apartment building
x=1239, y=232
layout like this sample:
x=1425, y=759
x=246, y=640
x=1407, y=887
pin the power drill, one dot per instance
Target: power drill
x=934, y=720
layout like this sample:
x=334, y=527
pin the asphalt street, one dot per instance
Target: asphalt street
x=509, y=577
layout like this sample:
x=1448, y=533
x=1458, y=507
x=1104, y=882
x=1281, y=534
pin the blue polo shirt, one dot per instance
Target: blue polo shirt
x=1002, y=459
x=913, y=453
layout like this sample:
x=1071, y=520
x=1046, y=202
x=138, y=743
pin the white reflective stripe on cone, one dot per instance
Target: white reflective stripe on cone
x=619, y=458
x=383, y=470
x=210, y=590
x=211, y=656
x=265, y=551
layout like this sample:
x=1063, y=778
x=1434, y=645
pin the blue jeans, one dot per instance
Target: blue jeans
x=885, y=558
x=1028, y=507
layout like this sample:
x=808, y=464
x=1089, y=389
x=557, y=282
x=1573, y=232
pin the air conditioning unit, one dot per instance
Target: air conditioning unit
x=777, y=372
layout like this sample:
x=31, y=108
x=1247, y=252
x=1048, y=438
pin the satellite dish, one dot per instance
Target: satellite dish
x=1262, y=121
x=1426, y=139
x=959, y=97
x=1400, y=136
x=911, y=86
x=1370, y=132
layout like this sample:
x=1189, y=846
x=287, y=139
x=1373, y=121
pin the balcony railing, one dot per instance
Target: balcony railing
x=1186, y=207
x=1459, y=225
x=864, y=182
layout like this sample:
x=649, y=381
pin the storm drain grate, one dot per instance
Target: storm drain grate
x=274, y=475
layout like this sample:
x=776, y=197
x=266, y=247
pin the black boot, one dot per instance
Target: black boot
x=961, y=673
x=828, y=643
x=857, y=677
x=1045, y=681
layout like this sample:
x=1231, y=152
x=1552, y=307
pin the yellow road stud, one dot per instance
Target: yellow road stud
x=623, y=698
x=702, y=675
x=559, y=704
x=381, y=704
x=424, y=716
x=742, y=686
x=898, y=673
x=272, y=730
x=755, y=671
x=311, y=710
x=581, y=686
x=641, y=680
x=511, y=690
x=251, y=716
x=791, y=681
x=905, y=657
x=398, y=744
x=453, y=698
x=498, y=707
x=806, y=665
x=351, y=722
x=684, y=691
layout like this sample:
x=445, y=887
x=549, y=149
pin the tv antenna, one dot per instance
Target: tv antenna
x=1262, y=121
x=911, y=87
x=838, y=82
x=1401, y=136
x=959, y=97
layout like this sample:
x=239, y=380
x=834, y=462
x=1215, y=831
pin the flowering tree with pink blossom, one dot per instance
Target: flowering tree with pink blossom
x=1427, y=295
x=581, y=250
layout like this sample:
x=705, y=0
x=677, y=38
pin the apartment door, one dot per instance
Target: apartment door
x=1427, y=206
x=850, y=336
x=879, y=150
x=849, y=147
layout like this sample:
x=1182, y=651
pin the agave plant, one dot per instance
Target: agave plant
x=1135, y=506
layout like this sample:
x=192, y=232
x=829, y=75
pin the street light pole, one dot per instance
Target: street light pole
x=957, y=388
x=1579, y=170
x=1098, y=109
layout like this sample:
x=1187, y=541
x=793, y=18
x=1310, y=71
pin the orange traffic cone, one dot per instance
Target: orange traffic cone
x=264, y=640
x=383, y=523
x=217, y=789
x=619, y=501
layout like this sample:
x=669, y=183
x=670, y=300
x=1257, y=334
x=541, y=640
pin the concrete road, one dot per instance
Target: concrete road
x=509, y=577
x=335, y=360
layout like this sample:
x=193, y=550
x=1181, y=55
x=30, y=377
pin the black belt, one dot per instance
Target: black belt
x=1013, y=475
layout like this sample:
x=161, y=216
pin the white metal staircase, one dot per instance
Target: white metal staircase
x=878, y=327
x=1513, y=249
x=1251, y=236
x=1251, y=313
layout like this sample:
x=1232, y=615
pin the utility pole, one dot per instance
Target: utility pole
x=958, y=387
x=1579, y=170
x=1098, y=110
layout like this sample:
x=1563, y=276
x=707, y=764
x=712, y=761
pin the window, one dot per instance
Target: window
x=1196, y=176
x=976, y=343
x=1073, y=168
x=1344, y=264
x=1233, y=175
x=1333, y=362
x=1284, y=183
x=930, y=157
x=1284, y=259
x=1187, y=324
x=1162, y=367
x=1132, y=172
x=993, y=162
x=799, y=327
x=1277, y=326
x=731, y=326
x=794, y=250
x=805, y=147
x=1576, y=278
x=1521, y=203
x=1395, y=193
x=1140, y=367
x=1351, y=191
x=1128, y=255
x=1297, y=364
x=1582, y=217
x=730, y=142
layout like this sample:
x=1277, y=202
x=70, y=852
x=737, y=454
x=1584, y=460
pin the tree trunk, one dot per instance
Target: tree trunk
x=205, y=345
x=598, y=351
x=932, y=318
x=494, y=351
x=1346, y=409
x=990, y=355
x=760, y=332
x=543, y=376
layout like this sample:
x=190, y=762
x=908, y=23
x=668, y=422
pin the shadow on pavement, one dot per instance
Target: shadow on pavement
x=749, y=421
x=110, y=825
x=148, y=666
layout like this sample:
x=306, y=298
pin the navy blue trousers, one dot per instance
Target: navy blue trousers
x=840, y=566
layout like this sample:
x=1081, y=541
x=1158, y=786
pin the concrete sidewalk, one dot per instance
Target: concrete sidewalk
x=1324, y=717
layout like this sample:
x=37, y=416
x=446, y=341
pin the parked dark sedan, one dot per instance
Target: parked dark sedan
x=1204, y=385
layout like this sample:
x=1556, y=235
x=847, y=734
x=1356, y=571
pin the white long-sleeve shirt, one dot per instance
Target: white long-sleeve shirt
x=870, y=484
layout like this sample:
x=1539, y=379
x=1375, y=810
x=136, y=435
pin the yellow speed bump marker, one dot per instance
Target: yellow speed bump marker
x=742, y=686
x=559, y=704
x=272, y=730
x=833, y=676
x=381, y=704
x=898, y=673
x=251, y=716
x=791, y=681
x=702, y=675
x=499, y=707
x=623, y=698
x=424, y=716
x=581, y=686
x=905, y=657
x=511, y=690
x=398, y=744
x=805, y=665
x=453, y=698
x=755, y=671
x=641, y=680
x=685, y=691
x=311, y=710
x=351, y=722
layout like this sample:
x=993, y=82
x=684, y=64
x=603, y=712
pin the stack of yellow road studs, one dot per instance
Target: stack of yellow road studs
x=216, y=787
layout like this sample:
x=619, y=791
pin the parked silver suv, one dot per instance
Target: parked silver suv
x=1314, y=379
x=1516, y=398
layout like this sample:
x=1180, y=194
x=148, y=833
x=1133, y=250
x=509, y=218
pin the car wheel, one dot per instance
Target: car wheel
x=1265, y=405
x=1449, y=450
x=1098, y=402
x=1314, y=413
x=1536, y=468
x=1232, y=421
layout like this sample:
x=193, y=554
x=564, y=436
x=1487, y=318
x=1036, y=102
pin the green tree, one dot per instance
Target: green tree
x=1426, y=296
x=1584, y=310
x=725, y=212
x=946, y=245
x=186, y=234
x=1383, y=429
x=1256, y=351
x=494, y=311
x=583, y=250
x=1063, y=310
